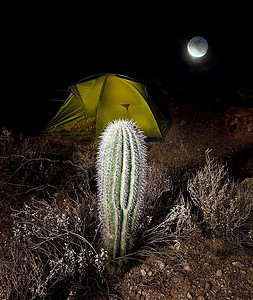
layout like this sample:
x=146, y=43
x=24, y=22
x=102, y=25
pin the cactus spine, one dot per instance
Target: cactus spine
x=121, y=168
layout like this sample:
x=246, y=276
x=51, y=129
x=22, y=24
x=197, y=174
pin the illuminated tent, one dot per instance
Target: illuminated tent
x=93, y=102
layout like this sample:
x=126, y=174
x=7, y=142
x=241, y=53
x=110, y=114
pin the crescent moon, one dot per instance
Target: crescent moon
x=193, y=53
x=197, y=47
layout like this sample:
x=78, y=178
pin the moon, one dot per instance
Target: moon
x=197, y=46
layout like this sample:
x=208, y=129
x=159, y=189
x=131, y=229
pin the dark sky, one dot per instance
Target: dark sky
x=53, y=47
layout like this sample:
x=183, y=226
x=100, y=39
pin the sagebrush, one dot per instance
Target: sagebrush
x=225, y=206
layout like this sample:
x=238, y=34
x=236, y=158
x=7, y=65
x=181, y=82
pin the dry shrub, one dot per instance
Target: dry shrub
x=20, y=144
x=52, y=251
x=5, y=140
x=225, y=206
x=52, y=248
x=167, y=214
x=82, y=130
x=177, y=224
x=38, y=164
x=86, y=156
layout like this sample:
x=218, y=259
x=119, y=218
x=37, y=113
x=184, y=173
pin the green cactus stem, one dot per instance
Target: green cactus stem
x=121, y=169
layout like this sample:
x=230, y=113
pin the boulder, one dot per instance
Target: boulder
x=239, y=119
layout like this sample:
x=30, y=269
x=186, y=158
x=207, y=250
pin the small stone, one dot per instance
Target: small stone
x=200, y=298
x=243, y=272
x=183, y=122
x=177, y=246
x=143, y=272
x=207, y=286
x=218, y=273
x=187, y=268
x=237, y=264
x=160, y=264
x=149, y=273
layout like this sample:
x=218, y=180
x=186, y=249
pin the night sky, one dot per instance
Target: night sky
x=54, y=47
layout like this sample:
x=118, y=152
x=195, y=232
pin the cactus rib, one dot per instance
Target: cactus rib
x=121, y=168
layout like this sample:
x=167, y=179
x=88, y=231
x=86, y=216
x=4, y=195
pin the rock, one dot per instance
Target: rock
x=160, y=264
x=243, y=272
x=187, y=268
x=237, y=264
x=239, y=119
x=183, y=123
x=207, y=287
x=143, y=272
x=177, y=245
x=216, y=245
x=218, y=273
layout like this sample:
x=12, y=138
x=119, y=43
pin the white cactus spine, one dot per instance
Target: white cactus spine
x=121, y=169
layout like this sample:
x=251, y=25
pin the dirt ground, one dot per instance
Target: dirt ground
x=196, y=268
x=193, y=130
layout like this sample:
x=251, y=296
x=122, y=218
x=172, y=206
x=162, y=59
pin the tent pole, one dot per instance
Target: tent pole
x=101, y=96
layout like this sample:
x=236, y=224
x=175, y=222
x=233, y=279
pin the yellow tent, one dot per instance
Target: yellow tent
x=93, y=102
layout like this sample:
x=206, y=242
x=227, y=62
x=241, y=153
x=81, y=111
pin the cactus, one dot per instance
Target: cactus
x=121, y=168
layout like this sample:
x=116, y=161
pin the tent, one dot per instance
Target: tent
x=95, y=101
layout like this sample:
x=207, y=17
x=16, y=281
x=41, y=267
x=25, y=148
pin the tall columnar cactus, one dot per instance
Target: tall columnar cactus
x=121, y=168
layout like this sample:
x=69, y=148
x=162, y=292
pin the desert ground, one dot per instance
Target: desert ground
x=193, y=265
